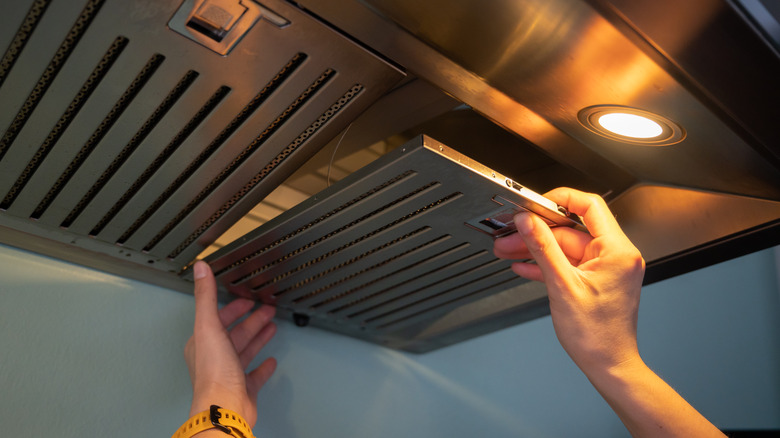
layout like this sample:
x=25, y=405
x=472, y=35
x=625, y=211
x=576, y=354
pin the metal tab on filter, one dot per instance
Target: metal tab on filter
x=220, y=24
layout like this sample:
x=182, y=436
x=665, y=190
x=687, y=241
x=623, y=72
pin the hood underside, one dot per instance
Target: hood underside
x=140, y=135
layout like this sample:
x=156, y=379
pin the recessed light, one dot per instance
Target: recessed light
x=631, y=125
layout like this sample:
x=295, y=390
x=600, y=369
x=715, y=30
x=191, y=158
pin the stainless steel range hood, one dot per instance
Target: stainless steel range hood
x=135, y=146
x=137, y=133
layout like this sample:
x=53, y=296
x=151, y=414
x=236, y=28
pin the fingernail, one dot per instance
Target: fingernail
x=200, y=270
x=523, y=222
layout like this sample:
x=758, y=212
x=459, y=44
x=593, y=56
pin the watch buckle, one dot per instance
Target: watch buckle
x=214, y=416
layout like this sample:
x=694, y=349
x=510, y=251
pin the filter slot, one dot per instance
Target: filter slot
x=419, y=270
x=131, y=146
x=387, y=262
x=337, y=263
x=241, y=157
x=26, y=29
x=65, y=120
x=111, y=118
x=286, y=152
x=456, y=282
x=434, y=271
x=55, y=65
x=345, y=227
x=434, y=311
x=240, y=118
x=163, y=156
x=241, y=261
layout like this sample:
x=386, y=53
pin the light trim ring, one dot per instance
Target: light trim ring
x=660, y=130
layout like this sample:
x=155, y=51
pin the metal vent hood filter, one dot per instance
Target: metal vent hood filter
x=135, y=132
x=389, y=252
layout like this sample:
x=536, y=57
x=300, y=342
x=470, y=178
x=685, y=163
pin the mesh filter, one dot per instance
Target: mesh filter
x=379, y=264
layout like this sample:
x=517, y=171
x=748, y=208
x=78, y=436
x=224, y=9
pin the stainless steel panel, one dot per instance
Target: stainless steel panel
x=533, y=65
x=131, y=147
x=135, y=144
x=383, y=250
x=665, y=221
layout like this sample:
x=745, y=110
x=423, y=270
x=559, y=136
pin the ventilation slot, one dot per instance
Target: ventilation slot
x=287, y=151
x=111, y=118
x=65, y=120
x=346, y=227
x=62, y=54
x=241, y=157
x=313, y=223
x=244, y=114
x=318, y=259
x=22, y=35
x=354, y=242
x=436, y=261
x=361, y=219
x=416, y=266
x=444, y=305
x=131, y=146
x=462, y=274
x=369, y=269
x=166, y=153
x=341, y=265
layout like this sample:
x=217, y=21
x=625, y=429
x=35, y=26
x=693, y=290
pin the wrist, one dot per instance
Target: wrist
x=606, y=359
x=617, y=374
x=203, y=399
x=214, y=422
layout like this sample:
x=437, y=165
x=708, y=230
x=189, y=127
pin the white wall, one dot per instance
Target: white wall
x=84, y=352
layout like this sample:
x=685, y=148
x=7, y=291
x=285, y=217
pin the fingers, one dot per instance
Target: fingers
x=257, y=378
x=243, y=333
x=593, y=209
x=541, y=244
x=528, y=270
x=571, y=241
x=234, y=310
x=256, y=344
x=511, y=247
x=205, y=291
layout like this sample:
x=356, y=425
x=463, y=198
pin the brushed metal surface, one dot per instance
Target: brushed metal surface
x=553, y=58
x=135, y=144
x=129, y=147
x=386, y=248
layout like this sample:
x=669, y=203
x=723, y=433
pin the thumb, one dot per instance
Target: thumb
x=206, y=308
x=541, y=243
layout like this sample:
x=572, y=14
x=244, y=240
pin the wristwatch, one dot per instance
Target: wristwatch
x=216, y=417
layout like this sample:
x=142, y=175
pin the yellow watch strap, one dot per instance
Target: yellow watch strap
x=223, y=419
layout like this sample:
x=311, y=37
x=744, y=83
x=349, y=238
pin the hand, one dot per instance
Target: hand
x=593, y=281
x=217, y=358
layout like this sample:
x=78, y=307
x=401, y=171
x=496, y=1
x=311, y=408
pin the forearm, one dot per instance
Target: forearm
x=647, y=405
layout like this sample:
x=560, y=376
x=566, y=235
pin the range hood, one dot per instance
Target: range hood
x=140, y=135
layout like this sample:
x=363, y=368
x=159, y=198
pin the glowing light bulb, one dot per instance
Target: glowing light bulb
x=630, y=125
